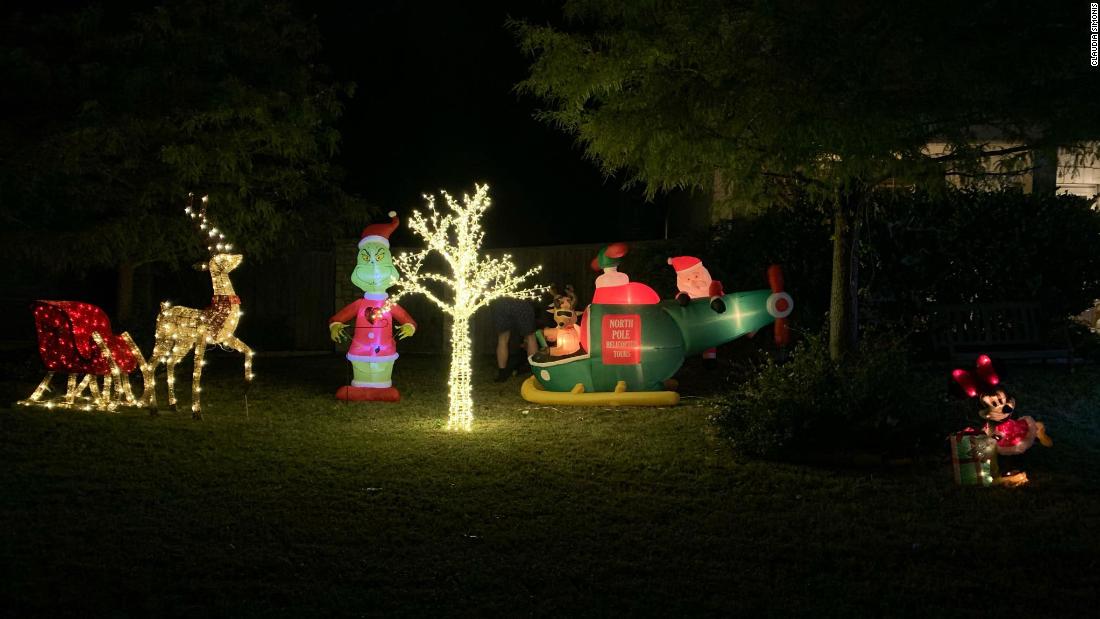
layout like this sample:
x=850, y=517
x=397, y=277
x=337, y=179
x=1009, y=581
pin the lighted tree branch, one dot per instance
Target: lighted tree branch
x=474, y=281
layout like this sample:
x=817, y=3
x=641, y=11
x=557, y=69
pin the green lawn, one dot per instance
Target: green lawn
x=309, y=507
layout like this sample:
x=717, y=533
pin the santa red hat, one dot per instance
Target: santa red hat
x=683, y=263
x=379, y=233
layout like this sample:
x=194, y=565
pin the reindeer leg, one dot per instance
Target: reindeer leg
x=149, y=374
x=236, y=344
x=196, y=377
x=170, y=366
x=149, y=384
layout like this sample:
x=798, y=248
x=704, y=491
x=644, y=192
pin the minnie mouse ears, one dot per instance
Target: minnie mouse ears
x=984, y=380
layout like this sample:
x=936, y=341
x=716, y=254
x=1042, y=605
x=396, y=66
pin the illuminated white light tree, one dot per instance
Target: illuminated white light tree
x=475, y=280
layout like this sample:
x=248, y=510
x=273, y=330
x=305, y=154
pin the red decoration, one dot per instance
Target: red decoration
x=76, y=338
x=65, y=339
x=966, y=381
x=615, y=251
x=779, y=305
x=631, y=293
x=986, y=380
x=986, y=371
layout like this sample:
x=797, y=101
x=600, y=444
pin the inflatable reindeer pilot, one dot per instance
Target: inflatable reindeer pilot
x=373, y=349
x=566, y=335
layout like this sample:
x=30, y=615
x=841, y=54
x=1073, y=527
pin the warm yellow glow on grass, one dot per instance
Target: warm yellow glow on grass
x=475, y=280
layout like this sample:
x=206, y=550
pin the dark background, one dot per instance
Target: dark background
x=436, y=108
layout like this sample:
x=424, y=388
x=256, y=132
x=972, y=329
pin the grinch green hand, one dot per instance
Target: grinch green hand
x=336, y=332
x=405, y=330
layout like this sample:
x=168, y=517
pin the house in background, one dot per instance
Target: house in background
x=1058, y=170
x=1083, y=180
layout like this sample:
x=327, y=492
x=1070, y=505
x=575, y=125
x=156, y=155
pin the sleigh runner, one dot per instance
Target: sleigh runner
x=75, y=338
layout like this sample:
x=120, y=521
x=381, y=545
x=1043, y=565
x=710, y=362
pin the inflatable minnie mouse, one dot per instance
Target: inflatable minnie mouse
x=1014, y=435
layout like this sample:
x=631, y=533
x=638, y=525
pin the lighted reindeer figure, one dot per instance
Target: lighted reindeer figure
x=183, y=329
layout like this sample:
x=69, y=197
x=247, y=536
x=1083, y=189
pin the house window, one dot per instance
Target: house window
x=1085, y=190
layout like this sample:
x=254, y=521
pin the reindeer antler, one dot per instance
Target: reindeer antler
x=214, y=236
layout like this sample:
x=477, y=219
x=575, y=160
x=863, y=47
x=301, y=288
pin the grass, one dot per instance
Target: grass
x=309, y=507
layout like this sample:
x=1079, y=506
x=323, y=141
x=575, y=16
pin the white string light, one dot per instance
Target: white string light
x=183, y=329
x=474, y=282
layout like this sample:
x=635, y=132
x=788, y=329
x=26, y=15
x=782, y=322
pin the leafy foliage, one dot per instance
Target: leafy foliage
x=920, y=249
x=813, y=405
x=822, y=94
x=981, y=247
x=112, y=117
x=753, y=97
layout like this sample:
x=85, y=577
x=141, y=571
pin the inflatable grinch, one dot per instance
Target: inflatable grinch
x=373, y=349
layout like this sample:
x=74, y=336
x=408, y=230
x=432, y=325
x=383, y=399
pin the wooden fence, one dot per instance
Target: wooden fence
x=287, y=302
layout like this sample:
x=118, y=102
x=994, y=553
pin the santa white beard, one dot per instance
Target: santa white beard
x=695, y=281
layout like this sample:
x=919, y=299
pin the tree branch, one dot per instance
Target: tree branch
x=989, y=153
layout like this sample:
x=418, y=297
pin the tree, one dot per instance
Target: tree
x=474, y=282
x=113, y=116
x=827, y=99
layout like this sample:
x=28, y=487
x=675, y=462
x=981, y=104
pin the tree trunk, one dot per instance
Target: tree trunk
x=843, y=320
x=856, y=227
x=462, y=404
x=124, y=310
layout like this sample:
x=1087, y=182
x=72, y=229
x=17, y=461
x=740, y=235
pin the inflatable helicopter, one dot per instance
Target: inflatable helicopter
x=632, y=342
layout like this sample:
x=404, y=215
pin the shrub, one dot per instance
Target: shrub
x=979, y=247
x=810, y=405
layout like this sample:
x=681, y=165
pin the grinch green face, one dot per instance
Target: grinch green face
x=374, y=270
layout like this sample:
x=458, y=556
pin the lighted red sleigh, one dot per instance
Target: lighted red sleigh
x=76, y=338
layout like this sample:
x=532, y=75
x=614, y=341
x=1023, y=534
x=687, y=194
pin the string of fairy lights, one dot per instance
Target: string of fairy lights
x=181, y=329
x=212, y=232
x=474, y=281
x=456, y=235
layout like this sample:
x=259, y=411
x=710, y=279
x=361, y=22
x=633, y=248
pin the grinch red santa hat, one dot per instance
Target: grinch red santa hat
x=684, y=263
x=380, y=233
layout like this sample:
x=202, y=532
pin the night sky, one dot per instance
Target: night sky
x=436, y=108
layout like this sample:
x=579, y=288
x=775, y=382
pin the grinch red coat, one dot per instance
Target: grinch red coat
x=373, y=340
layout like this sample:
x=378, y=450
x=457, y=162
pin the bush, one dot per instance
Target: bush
x=810, y=405
x=979, y=247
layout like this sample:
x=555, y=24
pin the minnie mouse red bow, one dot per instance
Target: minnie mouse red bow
x=985, y=381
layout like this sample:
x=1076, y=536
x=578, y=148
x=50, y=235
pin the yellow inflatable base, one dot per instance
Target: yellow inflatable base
x=532, y=391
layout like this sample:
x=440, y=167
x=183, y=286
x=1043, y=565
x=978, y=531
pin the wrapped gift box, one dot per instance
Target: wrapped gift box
x=974, y=458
